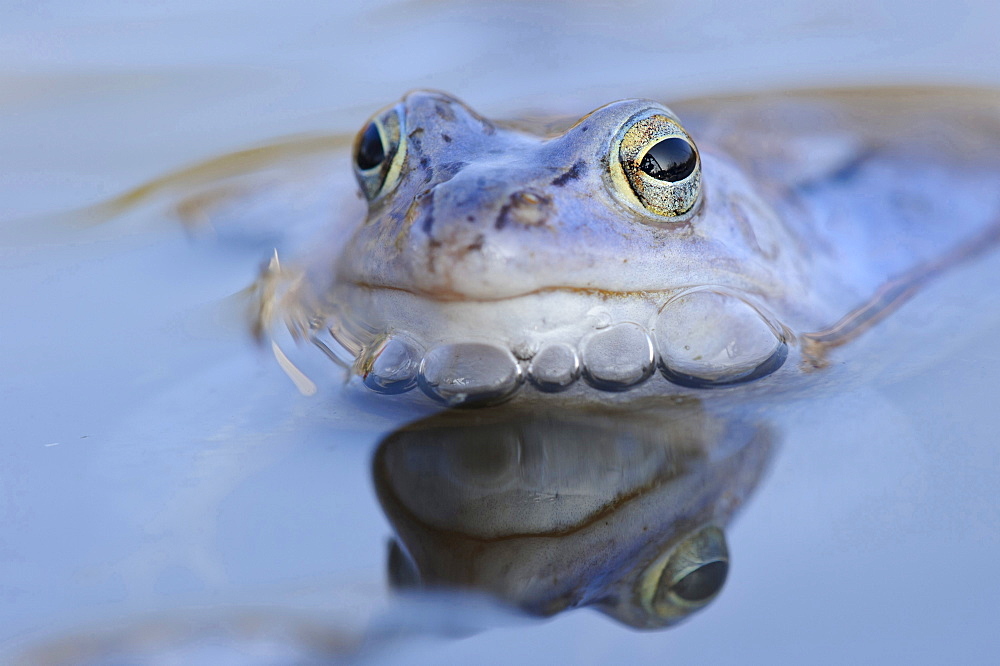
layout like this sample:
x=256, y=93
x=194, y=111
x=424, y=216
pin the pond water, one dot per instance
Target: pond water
x=164, y=487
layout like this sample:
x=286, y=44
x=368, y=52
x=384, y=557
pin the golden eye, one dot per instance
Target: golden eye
x=379, y=149
x=661, y=165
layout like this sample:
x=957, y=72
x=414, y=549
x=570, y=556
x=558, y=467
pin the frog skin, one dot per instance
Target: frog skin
x=546, y=511
x=495, y=255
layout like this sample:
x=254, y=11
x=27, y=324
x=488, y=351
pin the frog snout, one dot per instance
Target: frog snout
x=486, y=203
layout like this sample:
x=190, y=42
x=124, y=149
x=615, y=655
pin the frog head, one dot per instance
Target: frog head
x=498, y=252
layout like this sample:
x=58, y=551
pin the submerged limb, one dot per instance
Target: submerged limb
x=890, y=297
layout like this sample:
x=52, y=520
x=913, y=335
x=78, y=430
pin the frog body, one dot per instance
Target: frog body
x=496, y=255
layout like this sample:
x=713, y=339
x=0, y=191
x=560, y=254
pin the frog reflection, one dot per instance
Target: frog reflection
x=623, y=511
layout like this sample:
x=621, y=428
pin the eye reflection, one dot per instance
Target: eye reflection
x=671, y=159
x=618, y=509
x=370, y=152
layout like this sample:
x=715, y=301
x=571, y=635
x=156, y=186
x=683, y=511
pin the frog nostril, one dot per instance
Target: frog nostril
x=525, y=208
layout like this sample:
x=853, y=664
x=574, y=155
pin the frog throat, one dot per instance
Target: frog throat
x=468, y=353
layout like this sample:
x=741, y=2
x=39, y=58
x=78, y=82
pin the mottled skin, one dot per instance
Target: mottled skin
x=485, y=212
x=500, y=234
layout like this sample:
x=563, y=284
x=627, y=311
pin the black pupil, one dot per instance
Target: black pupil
x=370, y=151
x=672, y=159
x=702, y=583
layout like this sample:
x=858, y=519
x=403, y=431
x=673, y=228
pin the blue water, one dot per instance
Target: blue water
x=155, y=459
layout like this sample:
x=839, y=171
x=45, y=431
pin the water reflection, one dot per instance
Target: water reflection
x=621, y=510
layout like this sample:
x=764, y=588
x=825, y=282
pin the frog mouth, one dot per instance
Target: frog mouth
x=466, y=353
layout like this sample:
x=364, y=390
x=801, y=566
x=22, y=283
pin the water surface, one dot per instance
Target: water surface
x=156, y=460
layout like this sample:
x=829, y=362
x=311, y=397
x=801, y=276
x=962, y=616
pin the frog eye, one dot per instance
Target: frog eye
x=378, y=153
x=661, y=165
x=686, y=577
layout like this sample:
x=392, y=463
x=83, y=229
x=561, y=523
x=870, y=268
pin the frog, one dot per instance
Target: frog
x=629, y=251
x=723, y=246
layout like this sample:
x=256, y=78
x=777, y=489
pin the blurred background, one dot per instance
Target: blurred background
x=154, y=84
x=153, y=460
